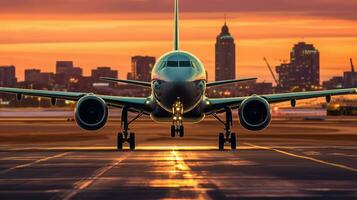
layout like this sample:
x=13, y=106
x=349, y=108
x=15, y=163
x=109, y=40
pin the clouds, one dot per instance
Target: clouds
x=328, y=8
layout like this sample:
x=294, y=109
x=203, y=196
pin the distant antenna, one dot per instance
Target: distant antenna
x=225, y=18
x=176, y=34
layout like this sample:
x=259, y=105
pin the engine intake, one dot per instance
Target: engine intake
x=254, y=113
x=91, y=113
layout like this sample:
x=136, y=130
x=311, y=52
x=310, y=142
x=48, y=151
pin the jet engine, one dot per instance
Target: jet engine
x=254, y=113
x=91, y=113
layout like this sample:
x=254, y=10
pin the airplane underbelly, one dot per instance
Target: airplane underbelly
x=162, y=116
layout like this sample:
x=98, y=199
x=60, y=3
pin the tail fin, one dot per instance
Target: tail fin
x=177, y=33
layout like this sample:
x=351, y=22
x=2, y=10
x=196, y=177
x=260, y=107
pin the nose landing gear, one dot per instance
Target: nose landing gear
x=177, y=127
x=228, y=136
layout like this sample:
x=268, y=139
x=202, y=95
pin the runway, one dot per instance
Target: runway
x=289, y=160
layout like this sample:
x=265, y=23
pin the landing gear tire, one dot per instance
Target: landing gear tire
x=120, y=141
x=221, y=141
x=233, y=141
x=182, y=131
x=132, y=141
x=173, y=131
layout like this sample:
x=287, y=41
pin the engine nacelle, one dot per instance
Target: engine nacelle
x=91, y=113
x=254, y=113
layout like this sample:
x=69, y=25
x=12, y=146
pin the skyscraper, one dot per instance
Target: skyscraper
x=303, y=71
x=141, y=67
x=7, y=76
x=225, y=55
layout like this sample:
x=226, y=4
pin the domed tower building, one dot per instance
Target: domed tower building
x=225, y=55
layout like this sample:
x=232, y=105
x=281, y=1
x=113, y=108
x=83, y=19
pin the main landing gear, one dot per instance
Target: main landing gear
x=125, y=135
x=228, y=136
x=177, y=126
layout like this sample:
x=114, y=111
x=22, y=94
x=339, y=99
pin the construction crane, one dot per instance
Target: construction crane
x=353, y=73
x=271, y=71
x=352, y=67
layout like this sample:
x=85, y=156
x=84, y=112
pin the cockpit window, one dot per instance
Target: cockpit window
x=179, y=64
x=185, y=64
x=172, y=63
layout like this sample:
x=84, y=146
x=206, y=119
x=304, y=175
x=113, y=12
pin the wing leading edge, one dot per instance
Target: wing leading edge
x=219, y=83
x=131, y=82
x=135, y=103
x=219, y=103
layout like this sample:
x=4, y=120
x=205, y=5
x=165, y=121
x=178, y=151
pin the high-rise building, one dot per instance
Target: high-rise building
x=303, y=71
x=225, y=55
x=141, y=67
x=8, y=76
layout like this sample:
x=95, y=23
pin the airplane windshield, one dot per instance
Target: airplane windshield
x=179, y=64
x=172, y=64
x=185, y=64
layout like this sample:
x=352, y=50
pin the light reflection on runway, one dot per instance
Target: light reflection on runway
x=287, y=161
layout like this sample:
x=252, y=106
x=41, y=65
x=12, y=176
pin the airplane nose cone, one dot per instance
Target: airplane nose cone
x=187, y=92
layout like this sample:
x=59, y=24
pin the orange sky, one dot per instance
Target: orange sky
x=37, y=39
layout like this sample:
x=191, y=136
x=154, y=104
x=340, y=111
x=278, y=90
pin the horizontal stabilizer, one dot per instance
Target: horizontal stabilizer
x=219, y=83
x=131, y=82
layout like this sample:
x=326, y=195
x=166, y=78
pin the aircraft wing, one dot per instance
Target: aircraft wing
x=220, y=103
x=132, y=102
x=225, y=82
x=131, y=82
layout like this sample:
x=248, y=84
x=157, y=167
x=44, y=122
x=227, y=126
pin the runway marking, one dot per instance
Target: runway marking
x=83, y=184
x=181, y=165
x=305, y=157
x=34, y=162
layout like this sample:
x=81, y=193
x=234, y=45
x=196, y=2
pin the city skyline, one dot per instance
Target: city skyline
x=35, y=35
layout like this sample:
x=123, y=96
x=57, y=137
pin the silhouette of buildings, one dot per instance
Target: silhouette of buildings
x=103, y=72
x=303, y=71
x=349, y=80
x=141, y=67
x=335, y=82
x=225, y=59
x=35, y=76
x=8, y=76
x=67, y=74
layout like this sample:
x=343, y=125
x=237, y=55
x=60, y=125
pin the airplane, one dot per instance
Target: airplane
x=178, y=88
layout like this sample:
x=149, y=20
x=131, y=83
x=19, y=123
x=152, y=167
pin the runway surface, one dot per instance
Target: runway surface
x=289, y=160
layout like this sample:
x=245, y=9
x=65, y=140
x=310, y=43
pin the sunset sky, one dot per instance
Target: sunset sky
x=36, y=33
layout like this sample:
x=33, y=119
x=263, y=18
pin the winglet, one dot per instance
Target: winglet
x=176, y=33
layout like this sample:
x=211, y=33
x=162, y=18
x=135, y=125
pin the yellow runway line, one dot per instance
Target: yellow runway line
x=305, y=157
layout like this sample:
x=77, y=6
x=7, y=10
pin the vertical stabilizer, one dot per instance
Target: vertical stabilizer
x=177, y=33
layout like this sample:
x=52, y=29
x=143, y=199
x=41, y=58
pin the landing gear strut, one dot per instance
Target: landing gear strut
x=177, y=127
x=228, y=136
x=125, y=135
